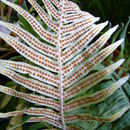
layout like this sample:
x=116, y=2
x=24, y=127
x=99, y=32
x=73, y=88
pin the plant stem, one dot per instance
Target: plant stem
x=1, y=10
x=9, y=12
x=7, y=54
x=60, y=69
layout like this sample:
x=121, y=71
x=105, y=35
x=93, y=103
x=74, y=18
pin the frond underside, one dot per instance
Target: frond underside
x=62, y=63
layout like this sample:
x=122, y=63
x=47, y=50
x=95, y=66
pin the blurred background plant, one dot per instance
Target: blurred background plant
x=9, y=15
x=115, y=11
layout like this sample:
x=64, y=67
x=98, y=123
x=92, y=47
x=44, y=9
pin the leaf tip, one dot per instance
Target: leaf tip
x=115, y=27
x=120, y=62
x=105, y=23
x=97, y=18
x=119, y=42
x=125, y=78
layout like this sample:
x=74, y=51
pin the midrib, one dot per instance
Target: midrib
x=60, y=69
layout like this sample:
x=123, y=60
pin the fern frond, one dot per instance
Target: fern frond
x=91, y=80
x=64, y=57
x=34, y=23
x=100, y=119
x=31, y=84
x=57, y=4
x=39, y=100
x=96, y=97
x=32, y=111
x=89, y=50
x=54, y=122
x=30, y=53
x=84, y=68
x=52, y=24
x=31, y=40
x=75, y=26
x=34, y=72
x=82, y=42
